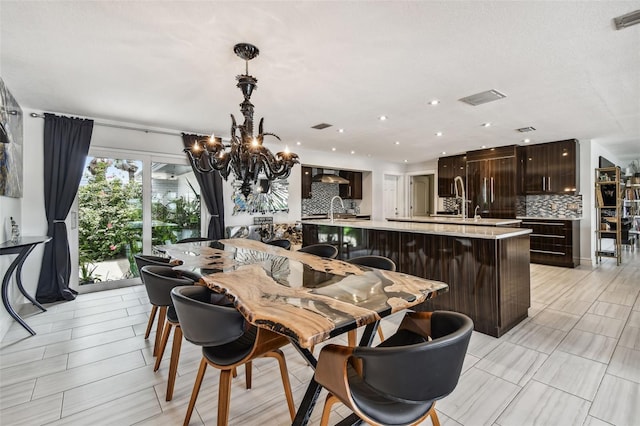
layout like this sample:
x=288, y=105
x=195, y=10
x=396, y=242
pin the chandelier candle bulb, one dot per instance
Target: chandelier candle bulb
x=246, y=156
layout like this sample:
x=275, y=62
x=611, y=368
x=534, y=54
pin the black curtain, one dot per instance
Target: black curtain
x=66, y=145
x=210, y=192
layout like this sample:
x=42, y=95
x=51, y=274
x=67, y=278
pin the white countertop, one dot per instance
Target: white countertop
x=453, y=230
x=457, y=220
x=547, y=218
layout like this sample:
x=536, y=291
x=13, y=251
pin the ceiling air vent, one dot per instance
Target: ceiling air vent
x=526, y=129
x=321, y=126
x=483, y=97
x=627, y=20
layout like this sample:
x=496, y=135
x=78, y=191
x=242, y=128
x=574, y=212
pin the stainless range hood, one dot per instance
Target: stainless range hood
x=328, y=176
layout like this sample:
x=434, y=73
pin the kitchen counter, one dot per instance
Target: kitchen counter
x=444, y=229
x=547, y=218
x=457, y=220
x=361, y=216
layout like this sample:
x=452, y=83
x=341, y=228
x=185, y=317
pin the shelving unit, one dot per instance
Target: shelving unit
x=631, y=209
x=609, y=196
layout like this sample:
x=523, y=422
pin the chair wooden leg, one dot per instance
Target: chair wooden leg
x=284, y=374
x=196, y=391
x=247, y=374
x=380, y=334
x=234, y=372
x=161, y=319
x=163, y=344
x=224, y=397
x=152, y=316
x=434, y=416
x=326, y=411
x=173, y=366
x=352, y=336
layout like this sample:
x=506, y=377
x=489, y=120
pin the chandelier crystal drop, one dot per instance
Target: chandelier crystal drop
x=245, y=155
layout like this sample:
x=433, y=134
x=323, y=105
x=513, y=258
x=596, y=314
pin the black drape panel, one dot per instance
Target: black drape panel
x=210, y=192
x=66, y=145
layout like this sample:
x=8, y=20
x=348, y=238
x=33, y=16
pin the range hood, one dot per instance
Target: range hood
x=328, y=176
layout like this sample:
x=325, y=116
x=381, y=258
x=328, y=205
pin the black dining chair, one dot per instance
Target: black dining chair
x=371, y=261
x=227, y=342
x=322, y=250
x=284, y=243
x=159, y=280
x=193, y=240
x=143, y=260
x=399, y=381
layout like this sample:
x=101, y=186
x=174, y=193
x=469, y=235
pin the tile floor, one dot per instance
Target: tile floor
x=574, y=361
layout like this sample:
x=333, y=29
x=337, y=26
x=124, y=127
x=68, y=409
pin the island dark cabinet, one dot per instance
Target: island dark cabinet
x=306, y=181
x=492, y=182
x=551, y=168
x=352, y=190
x=448, y=169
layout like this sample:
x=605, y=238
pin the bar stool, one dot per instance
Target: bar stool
x=143, y=260
x=322, y=250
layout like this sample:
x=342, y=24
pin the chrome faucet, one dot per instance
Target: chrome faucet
x=331, y=206
x=476, y=216
x=460, y=194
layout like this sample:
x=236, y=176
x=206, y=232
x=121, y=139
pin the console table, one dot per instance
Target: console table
x=22, y=248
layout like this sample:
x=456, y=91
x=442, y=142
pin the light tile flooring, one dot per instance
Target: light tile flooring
x=575, y=361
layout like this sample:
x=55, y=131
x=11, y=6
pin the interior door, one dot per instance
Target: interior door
x=392, y=196
x=421, y=195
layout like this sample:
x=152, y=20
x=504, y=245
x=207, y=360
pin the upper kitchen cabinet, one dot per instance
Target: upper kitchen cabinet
x=492, y=182
x=353, y=189
x=306, y=181
x=551, y=168
x=448, y=169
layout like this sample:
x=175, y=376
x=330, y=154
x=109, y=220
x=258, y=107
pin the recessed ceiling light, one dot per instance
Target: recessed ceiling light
x=438, y=133
x=397, y=142
x=526, y=140
x=444, y=152
x=353, y=152
x=382, y=117
x=483, y=146
x=340, y=130
x=434, y=102
x=406, y=161
x=487, y=124
x=298, y=143
x=333, y=149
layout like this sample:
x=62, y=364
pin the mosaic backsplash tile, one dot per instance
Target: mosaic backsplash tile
x=539, y=205
x=321, y=195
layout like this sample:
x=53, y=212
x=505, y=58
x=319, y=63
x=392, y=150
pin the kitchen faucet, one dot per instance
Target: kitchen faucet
x=458, y=195
x=331, y=206
x=476, y=216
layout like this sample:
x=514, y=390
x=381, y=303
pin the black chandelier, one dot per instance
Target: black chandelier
x=246, y=156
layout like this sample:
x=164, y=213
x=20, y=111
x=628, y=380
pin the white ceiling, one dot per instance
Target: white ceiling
x=564, y=68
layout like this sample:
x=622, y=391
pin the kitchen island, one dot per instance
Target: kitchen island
x=485, y=267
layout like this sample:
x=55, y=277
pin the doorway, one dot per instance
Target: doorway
x=422, y=190
x=393, y=196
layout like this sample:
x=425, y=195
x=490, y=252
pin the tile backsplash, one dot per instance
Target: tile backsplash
x=320, y=201
x=551, y=206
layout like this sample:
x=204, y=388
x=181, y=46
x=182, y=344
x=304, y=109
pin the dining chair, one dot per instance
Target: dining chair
x=399, y=381
x=322, y=250
x=284, y=243
x=193, y=240
x=372, y=261
x=227, y=342
x=159, y=280
x=141, y=261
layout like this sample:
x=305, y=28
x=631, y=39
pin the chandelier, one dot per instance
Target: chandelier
x=245, y=155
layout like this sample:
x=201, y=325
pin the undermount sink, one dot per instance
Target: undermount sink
x=344, y=216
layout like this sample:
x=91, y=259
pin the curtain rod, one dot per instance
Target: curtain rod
x=118, y=126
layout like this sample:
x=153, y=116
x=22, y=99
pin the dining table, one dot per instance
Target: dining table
x=307, y=298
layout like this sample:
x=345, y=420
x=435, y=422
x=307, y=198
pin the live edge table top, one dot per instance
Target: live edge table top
x=305, y=297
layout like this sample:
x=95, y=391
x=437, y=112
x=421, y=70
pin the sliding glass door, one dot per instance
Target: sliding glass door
x=128, y=202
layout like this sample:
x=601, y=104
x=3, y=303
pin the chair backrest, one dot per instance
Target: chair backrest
x=322, y=250
x=148, y=259
x=423, y=371
x=193, y=240
x=204, y=323
x=378, y=262
x=285, y=244
x=159, y=280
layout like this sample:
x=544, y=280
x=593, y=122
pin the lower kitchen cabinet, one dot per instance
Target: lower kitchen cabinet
x=554, y=242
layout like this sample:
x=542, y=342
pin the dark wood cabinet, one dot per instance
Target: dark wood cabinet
x=306, y=181
x=448, y=169
x=352, y=190
x=554, y=242
x=492, y=182
x=551, y=168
